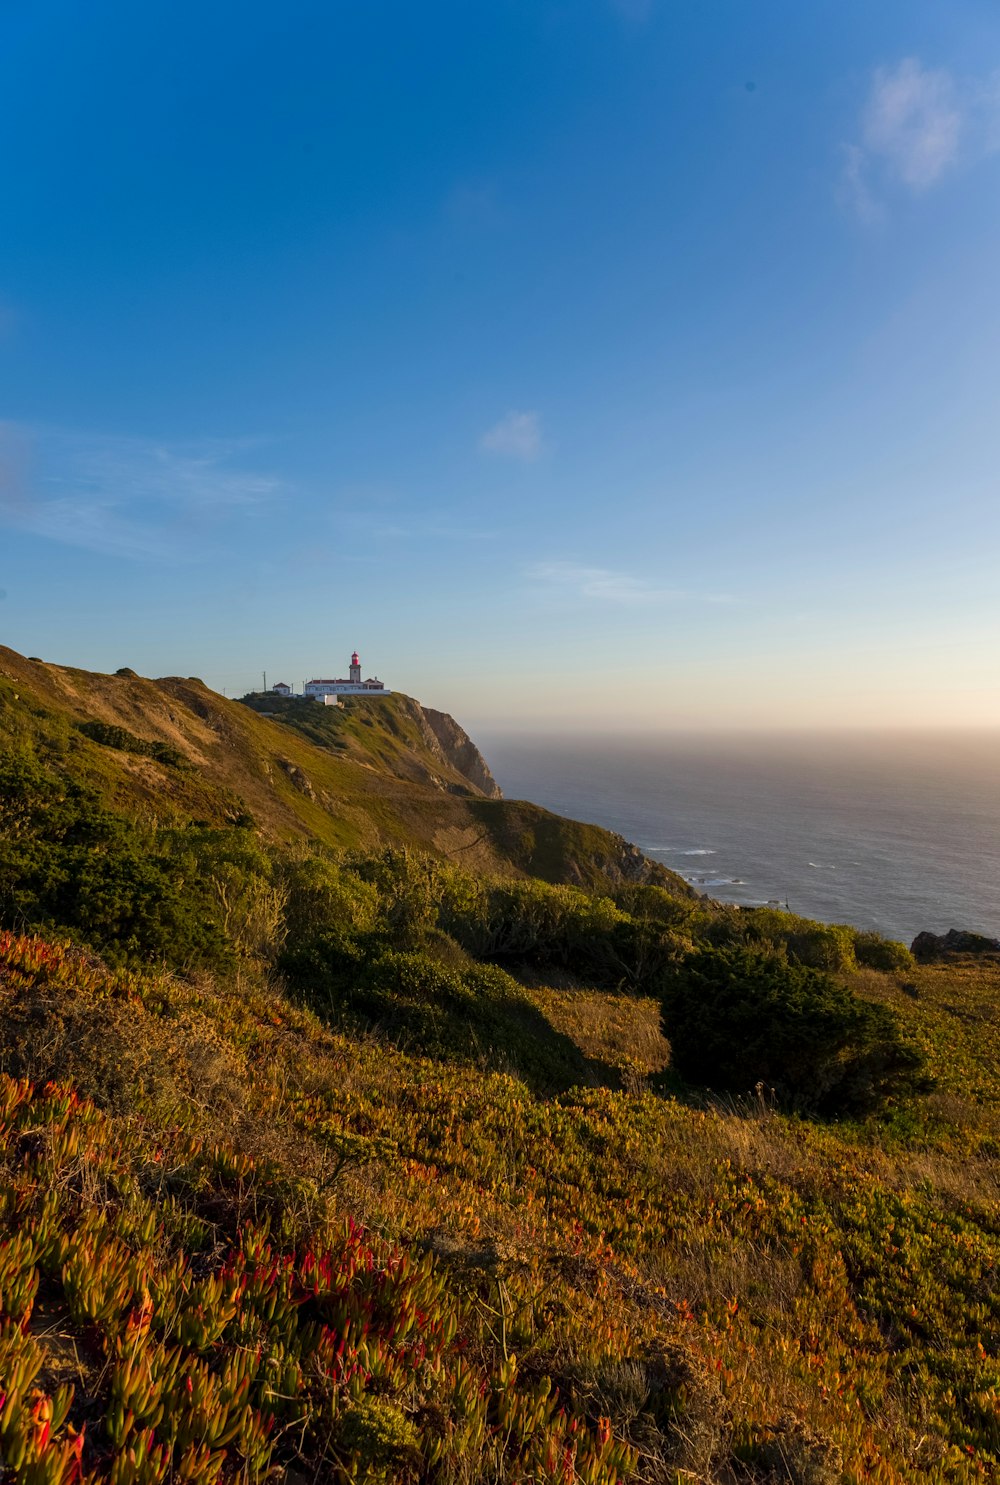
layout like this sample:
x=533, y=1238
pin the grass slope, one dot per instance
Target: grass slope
x=279, y=1245
x=359, y=778
x=390, y=733
x=377, y=1164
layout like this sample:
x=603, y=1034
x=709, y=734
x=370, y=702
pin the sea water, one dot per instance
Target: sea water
x=896, y=832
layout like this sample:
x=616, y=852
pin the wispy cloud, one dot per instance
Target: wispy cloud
x=393, y=520
x=124, y=496
x=917, y=125
x=914, y=122
x=607, y=585
x=516, y=436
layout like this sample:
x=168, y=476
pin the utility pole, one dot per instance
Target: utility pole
x=264, y=673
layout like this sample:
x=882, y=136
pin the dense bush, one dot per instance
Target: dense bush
x=468, y=1012
x=66, y=862
x=644, y=901
x=738, y=1017
x=876, y=952
x=321, y=892
x=409, y=887
x=827, y=946
x=532, y=922
x=110, y=736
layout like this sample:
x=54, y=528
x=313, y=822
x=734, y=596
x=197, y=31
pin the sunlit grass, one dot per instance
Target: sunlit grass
x=724, y=1284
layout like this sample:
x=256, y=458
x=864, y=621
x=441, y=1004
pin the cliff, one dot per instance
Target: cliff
x=458, y=749
x=393, y=733
x=173, y=753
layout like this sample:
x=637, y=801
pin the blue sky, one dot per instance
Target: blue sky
x=544, y=352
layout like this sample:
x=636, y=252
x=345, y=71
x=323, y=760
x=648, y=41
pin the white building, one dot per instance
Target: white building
x=281, y=688
x=352, y=685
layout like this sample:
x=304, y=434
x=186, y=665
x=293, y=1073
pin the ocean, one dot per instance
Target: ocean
x=893, y=832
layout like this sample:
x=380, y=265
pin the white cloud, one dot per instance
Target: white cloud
x=516, y=436
x=914, y=121
x=124, y=496
x=606, y=585
x=918, y=124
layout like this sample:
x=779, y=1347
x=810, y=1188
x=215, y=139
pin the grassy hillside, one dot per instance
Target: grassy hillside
x=362, y=777
x=276, y=1244
x=393, y=733
x=331, y=1149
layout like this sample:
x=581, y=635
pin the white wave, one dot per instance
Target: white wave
x=680, y=850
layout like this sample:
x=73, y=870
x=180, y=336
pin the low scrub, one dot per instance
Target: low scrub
x=216, y=1354
x=110, y=736
x=67, y=863
x=740, y=1017
x=875, y=952
x=641, y=1289
x=469, y=1012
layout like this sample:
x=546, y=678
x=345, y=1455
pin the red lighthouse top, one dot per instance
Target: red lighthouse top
x=354, y=659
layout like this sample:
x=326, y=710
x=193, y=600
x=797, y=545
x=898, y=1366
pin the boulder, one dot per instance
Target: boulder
x=927, y=947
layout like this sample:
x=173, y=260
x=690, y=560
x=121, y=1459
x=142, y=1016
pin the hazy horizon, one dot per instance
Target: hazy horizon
x=897, y=832
x=560, y=360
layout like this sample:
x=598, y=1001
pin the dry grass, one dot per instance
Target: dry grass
x=596, y=1230
x=620, y=1032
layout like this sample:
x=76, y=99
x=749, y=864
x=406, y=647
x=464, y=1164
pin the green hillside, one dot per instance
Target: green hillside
x=370, y=775
x=332, y=1150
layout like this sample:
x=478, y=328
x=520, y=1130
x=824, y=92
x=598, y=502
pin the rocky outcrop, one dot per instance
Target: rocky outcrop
x=298, y=778
x=461, y=752
x=928, y=947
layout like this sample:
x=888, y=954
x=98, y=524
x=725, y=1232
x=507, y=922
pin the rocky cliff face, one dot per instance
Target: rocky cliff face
x=458, y=749
x=928, y=948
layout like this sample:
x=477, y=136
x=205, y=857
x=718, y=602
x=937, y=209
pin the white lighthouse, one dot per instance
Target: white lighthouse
x=330, y=690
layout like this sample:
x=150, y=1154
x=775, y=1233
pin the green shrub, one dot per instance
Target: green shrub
x=67, y=863
x=406, y=993
x=322, y=892
x=409, y=887
x=644, y=901
x=465, y=1012
x=819, y=945
x=738, y=1017
x=876, y=952
x=379, y=1435
x=110, y=736
x=822, y=946
x=532, y=922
